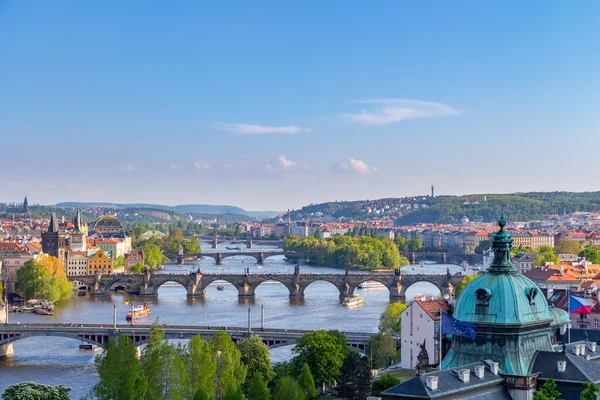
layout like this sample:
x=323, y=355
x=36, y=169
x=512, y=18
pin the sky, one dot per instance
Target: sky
x=269, y=105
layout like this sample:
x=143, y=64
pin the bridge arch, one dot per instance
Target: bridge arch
x=344, y=288
x=354, y=285
x=441, y=284
x=97, y=340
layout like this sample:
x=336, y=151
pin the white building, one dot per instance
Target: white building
x=77, y=263
x=420, y=324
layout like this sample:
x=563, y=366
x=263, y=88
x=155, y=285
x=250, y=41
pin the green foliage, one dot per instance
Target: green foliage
x=257, y=388
x=191, y=246
x=201, y=395
x=382, y=348
x=483, y=246
x=119, y=262
x=463, y=284
x=237, y=231
x=255, y=356
x=401, y=243
x=233, y=393
x=323, y=353
x=569, y=246
x=590, y=391
x=35, y=391
x=307, y=383
x=355, y=380
x=318, y=234
x=120, y=373
x=591, y=254
x=287, y=388
x=544, y=254
x=390, y=319
x=230, y=371
x=341, y=251
x=284, y=368
x=201, y=365
x=547, y=391
x=382, y=383
x=35, y=280
x=414, y=244
x=137, y=268
x=153, y=255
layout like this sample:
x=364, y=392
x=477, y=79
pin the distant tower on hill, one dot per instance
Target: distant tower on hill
x=432, y=192
x=25, y=205
x=289, y=219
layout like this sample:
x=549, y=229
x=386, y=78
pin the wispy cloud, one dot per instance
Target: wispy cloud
x=126, y=168
x=281, y=164
x=249, y=129
x=176, y=167
x=202, y=165
x=353, y=166
x=387, y=111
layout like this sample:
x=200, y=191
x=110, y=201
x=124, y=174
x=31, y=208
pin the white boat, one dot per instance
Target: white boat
x=353, y=301
x=464, y=264
x=371, y=285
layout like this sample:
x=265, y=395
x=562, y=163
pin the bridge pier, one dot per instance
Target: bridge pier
x=245, y=291
x=218, y=259
x=260, y=259
x=180, y=259
x=6, y=351
x=215, y=243
x=249, y=245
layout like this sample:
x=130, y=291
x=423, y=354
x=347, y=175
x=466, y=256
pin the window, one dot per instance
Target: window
x=596, y=324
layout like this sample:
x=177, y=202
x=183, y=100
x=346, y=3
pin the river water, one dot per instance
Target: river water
x=56, y=361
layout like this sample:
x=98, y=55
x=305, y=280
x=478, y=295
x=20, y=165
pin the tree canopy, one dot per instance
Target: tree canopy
x=569, y=246
x=355, y=379
x=463, y=284
x=44, y=278
x=323, y=353
x=230, y=371
x=390, y=320
x=35, y=391
x=256, y=357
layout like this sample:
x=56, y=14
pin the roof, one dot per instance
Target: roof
x=432, y=307
x=578, y=368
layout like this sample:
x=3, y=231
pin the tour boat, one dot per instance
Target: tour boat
x=464, y=264
x=353, y=301
x=220, y=287
x=371, y=285
x=139, y=311
x=86, y=346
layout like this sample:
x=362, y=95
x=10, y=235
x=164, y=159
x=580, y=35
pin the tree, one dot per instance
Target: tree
x=153, y=255
x=463, y=284
x=191, y=246
x=323, y=353
x=385, y=382
x=137, y=268
x=401, y=243
x=201, y=365
x=201, y=395
x=119, y=261
x=230, y=371
x=355, y=380
x=382, y=348
x=569, y=246
x=255, y=356
x=547, y=391
x=483, y=246
x=237, y=232
x=44, y=278
x=307, y=383
x=414, y=244
x=590, y=391
x=318, y=234
x=287, y=388
x=390, y=320
x=233, y=393
x=257, y=388
x=591, y=254
x=544, y=255
x=35, y=391
x=120, y=373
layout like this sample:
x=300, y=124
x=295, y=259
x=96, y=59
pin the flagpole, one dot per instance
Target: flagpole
x=440, y=342
x=569, y=326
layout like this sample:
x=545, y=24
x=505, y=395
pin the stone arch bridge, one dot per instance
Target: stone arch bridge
x=196, y=283
x=219, y=256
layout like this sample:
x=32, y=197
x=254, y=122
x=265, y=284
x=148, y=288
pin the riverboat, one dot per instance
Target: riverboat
x=464, y=264
x=371, y=285
x=353, y=301
x=86, y=346
x=220, y=287
x=139, y=311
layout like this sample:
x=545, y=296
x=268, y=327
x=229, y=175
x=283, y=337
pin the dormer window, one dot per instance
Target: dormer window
x=482, y=302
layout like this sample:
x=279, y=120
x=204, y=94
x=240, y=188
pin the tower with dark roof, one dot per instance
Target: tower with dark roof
x=53, y=240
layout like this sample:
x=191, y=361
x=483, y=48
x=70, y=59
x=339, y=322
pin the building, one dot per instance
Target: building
x=78, y=237
x=132, y=258
x=109, y=226
x=100, y=262
x=19, y=209
x=524, y=262
x=420, y=329
x=77, y=263
x=116, y=246
x=473, y=239
x=301, y=228
x=54, y=240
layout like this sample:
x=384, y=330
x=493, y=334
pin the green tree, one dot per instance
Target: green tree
x=569, y=246
x=323, y=353
x=463, y=284
x=591, y=254
x=233, y=393
x=318, y=234
x=382, y=383
x=284, y=368
x=483, y=246
x=287, y=388
x=191, y=246
x=401, y=243
x=414, y=244
x=153, y=255
x=544, y=255
x=382, y=347
x=201, y=395
x=257, y=388
x=201, y=365
x=255, y=356
x=390, y=320
x=137, y=268
x=355, y=380
x=237, y=232
x=230, y=370
x=119, y=262
x=590, y=391
x=120, y=373
x=39, y=279
x=35, y=391
x=307, y=383
x=547, y=391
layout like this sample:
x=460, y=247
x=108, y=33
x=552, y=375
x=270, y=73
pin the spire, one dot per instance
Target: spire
x=53, y=225
x=77, y=221
x=502, y=246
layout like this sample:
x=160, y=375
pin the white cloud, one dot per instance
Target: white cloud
x=227, y=166
x=388, y=111
x=281, y=164
x=353, y=166
x=176, y=166
x=249, y=129
x=202, y=165
x=126, y=168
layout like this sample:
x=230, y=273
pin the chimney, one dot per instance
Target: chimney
x=582, y=349
x=432, y=382
x=576, y=350
x=562, y=366
x=562, y=270
x=464, y=374
x=479, y=371
x=494, y=368
x=592, y=347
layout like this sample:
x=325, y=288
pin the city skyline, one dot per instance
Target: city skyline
x=268, y=107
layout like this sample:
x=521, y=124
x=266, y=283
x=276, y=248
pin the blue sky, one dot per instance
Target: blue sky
x=270, y=104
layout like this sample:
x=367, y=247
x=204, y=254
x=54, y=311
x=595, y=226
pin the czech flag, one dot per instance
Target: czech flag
x=581, y=306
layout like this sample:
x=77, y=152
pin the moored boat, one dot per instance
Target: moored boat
x=139, y=311
x=371, y=285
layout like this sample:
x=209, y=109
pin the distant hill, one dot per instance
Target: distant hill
x=180, y=209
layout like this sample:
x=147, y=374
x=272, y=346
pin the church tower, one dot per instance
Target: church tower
x=78, y=238
x=53, y=241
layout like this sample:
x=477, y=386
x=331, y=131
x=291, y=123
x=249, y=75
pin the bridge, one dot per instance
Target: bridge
x=99, y=335
x=441, y=257
x=214, y=240
x=195, y=283
x=219, y=256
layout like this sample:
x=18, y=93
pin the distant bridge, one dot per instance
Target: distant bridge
x=442, y=258
x=248, y=242
x=195, y=283
x=99, y=335
x=219, y=256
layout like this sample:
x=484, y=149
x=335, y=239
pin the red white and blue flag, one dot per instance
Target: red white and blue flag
x=581, y=306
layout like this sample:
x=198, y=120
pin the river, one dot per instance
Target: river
x=56, y=361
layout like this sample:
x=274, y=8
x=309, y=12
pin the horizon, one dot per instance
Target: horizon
x=270, y=106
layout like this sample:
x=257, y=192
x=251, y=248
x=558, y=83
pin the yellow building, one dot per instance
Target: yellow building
x=100, y=262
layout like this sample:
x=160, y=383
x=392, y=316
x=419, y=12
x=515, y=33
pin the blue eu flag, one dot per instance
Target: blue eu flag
x=452, y=326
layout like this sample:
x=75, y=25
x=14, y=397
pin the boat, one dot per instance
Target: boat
x=139, y=311
x=353, y=301
x=42, y=311
x=86, y=346
x=126, y=303
x=81, y=293
x=371, y=285
x=464, y=264
x=220, y=287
